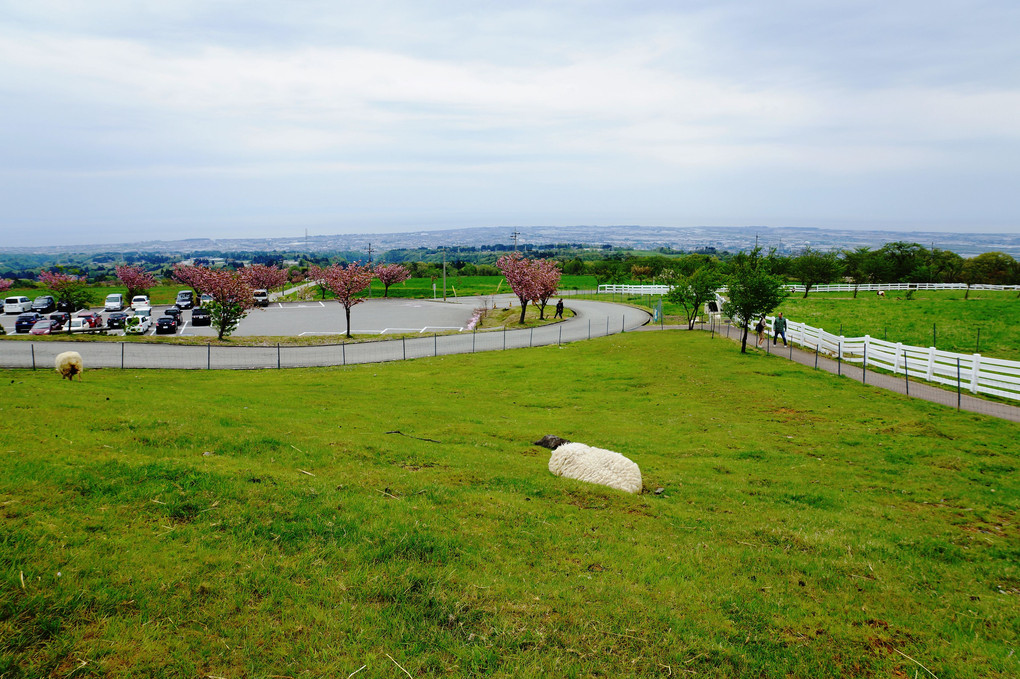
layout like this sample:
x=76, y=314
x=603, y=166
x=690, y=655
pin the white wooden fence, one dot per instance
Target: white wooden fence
x=976, y=373
x=841, y=287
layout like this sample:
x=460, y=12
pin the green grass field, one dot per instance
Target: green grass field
x=956, y=321
x=307, y=523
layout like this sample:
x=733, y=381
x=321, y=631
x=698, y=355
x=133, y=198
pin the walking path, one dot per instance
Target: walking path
x=900, y=385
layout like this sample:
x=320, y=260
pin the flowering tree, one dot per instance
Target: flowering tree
x=135, y=279
x=390, y=274
x=263, y=276
x=522, y=277
x=5, y=284
x=232, y=297
x=548, y=274
x=68, y=288
x=346, y=283
x=191, y=276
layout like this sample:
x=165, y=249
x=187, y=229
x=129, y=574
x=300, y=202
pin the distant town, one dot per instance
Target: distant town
x=785, y=241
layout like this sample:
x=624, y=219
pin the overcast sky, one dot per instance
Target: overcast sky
x=141, y=119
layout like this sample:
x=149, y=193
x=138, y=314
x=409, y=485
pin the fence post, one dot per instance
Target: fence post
x=974, y=374
x=531, y=338
x=435, y=342
x=589, y=328
x=343, y=352
x=864, y=365
x=208, y=356
x=959, y=397
x=403, y=345
x=896, y=358
x=504, y=338
x=32, y=346
x=906, y=371
x=931, y=363
x=475, y=332
x=607, y=326
x=277, y=355
x=839, y=357
x=209, y=359
x=816, y=355
x=560, y=340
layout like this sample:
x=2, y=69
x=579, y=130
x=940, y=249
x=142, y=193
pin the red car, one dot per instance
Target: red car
x=46, y=326
x=92, y=318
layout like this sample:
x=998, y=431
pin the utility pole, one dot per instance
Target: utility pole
x=444, y=274
x=515, y=234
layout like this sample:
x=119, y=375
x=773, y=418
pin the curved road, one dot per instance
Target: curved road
x=426, y=317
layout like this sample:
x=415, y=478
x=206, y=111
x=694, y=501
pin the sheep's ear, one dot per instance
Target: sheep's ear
x=551, y=442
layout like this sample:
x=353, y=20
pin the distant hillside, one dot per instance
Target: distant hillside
x=784, y=239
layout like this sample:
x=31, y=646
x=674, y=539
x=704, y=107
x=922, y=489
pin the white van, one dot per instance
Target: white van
x=17, y=305
x=114, y=302
x=261, y=298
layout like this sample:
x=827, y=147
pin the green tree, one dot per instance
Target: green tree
x=691, y=291
x=753, y=290
x=811, y=267
x=990, y=268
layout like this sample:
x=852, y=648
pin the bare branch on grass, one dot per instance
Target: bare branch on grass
x=398, y=665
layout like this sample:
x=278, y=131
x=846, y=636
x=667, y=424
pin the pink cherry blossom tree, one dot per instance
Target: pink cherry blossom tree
x=190, y=275
x=263, y=276
x=522, y=277
x=135, y=279
x=391, y=274
x=346, y=283
x=232, y=297
x=68, y=288
x=5, y=284
x=548, y=274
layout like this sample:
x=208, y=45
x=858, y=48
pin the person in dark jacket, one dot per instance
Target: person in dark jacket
x=779, y=325
x=559, y=309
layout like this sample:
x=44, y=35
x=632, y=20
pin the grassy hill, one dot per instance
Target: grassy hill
x=315, y=522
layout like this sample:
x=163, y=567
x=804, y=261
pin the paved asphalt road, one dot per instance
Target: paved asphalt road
x=378, y=316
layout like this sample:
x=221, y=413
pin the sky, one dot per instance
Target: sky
x=131, y=120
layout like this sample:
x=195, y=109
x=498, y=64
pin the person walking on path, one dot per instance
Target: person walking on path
x=779, y=325
x=760, y=330
x=559, y=309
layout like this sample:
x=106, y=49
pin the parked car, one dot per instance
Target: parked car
x=68, y=306
x=46, y=326
x=185, y=299
x=138, y=324
x=79, y=325
x=139, y=301
x=201, y=316
x=261, y=298
x=17, y=305
x=166, y=325
x=92, y=318
x=61, y=317
x=173, y=311
x=114, y=302
x=117, y=319
x=44, y=304
x=206, y=299
x=26, y=321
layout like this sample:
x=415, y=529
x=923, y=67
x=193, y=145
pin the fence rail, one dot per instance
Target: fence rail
x=976, y=373
x=835, y=287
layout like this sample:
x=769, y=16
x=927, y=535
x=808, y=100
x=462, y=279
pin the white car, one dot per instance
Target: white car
x=17, y=305
x=138, y=324
x=139, y=301
x=114, y=302
x=79, y=325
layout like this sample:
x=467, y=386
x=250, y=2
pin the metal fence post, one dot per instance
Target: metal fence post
x=473, y=333
x=816, y=355
x=589, y=328
x=531, y=338
x=906, y=371
x=560, y=340
x=208, y=356
x=959, y=398
x=403, y=345
x=343, y=351
x=32, y=346
x=839, y=358
x=504, y=338
x=277, y=355
x=864, y=366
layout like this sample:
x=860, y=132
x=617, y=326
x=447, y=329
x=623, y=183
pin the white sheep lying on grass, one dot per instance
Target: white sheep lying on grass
x=594, y=465
x=69, y=364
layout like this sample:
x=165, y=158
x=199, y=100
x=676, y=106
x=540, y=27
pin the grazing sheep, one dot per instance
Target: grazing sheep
x=69, y=364
x=594, y=465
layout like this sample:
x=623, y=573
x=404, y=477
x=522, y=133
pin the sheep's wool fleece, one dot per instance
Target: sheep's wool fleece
x=595, y=465
x=69, y=364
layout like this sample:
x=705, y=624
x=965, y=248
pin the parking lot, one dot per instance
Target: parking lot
x=374, y=316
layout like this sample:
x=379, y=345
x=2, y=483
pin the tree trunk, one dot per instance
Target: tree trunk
x=347, y=312
x=541, y=312
x=743, y=339
x=524, y=306
x=386, y=291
